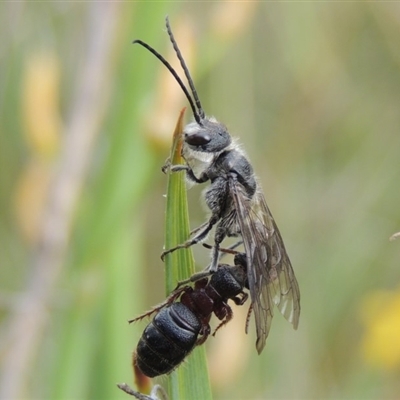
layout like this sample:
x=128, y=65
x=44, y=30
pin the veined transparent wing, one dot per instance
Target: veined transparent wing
x=270, y=273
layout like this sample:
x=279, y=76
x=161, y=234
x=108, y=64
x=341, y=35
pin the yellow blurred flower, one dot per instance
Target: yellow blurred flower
x=30, y=198
x=40, y=103
x=230, y=19
x=381, y=342
x=41, y=121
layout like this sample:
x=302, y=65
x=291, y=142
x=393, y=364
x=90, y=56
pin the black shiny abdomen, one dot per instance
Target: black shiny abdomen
x=182, y=322
x=167, y=340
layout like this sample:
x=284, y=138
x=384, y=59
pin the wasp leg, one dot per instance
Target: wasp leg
x=157, y=393
x=198, y=238
x=169, y=300
x=228, y=317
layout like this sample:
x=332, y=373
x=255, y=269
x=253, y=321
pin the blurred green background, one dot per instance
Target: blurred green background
x=312, y=90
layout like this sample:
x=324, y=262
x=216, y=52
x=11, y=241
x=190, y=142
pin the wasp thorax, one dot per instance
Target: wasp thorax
x=211, y=136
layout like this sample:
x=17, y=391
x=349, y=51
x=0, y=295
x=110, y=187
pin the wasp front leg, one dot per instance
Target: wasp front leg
x=169, y=300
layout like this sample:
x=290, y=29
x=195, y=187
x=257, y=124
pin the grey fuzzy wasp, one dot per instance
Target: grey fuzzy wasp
x=238, y=209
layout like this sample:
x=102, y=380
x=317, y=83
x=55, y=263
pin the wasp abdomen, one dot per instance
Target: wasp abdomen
x=167, y=340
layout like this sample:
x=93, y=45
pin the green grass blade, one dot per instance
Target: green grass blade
x=180, y=264
x=190, y=381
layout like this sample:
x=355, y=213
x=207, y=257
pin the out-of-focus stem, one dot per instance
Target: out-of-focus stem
x=30, y=314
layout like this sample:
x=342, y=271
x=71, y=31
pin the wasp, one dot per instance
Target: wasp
x=238, y=209
x=182, y=321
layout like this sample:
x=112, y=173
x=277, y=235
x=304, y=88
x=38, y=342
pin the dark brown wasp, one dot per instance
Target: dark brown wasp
x=238, y=209
x=182, y=320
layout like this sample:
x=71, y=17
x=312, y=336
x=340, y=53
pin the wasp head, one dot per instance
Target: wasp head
x=211, y=136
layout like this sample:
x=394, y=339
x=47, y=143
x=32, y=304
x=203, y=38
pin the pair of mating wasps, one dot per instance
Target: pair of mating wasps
x=238, y=209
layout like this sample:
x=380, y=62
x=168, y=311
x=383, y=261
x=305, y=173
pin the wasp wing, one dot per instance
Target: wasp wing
x=270, y=273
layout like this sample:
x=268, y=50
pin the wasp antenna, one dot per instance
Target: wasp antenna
x=197, y=115
x=185, y=70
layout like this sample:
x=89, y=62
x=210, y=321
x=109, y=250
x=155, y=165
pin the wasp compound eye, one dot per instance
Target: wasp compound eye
x=197, y=139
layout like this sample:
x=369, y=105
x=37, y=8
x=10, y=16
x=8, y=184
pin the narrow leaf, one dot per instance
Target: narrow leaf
x=190, y=380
